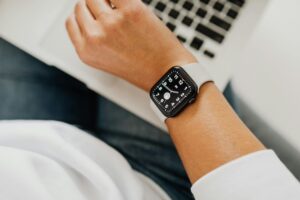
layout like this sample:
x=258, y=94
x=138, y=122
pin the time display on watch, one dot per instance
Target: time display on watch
x=174, y=91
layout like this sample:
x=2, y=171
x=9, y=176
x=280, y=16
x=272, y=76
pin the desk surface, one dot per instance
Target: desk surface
x=268, y=78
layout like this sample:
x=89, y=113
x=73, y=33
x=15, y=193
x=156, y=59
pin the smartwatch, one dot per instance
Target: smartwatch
x=177, y=89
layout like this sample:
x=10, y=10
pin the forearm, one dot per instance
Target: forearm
x=208, y=134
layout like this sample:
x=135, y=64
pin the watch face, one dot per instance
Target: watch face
x=174, y=91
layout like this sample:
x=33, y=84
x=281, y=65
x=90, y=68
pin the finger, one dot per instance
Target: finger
x=98, y=6
x=123, y=3
x=84, y=18
x=74, y=31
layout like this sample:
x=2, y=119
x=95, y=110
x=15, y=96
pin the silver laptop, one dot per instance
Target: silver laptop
x=216, y=31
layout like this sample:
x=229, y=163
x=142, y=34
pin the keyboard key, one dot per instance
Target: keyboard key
x=201, y=13
x=147, y=1
x=219, y=6
x=160, y=6
x=209, y=54
x=187, y=21
x=205, y=1
x=232, y=13
x=196, y=43
x=210, y=33
x=239, y=3
x=181, y=38
x=171, y=26
x=174, y=13
x=188, y=5
x=220, y=23
x=175, y=1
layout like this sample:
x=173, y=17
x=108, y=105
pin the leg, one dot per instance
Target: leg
x=148, y=149
x=30, y=89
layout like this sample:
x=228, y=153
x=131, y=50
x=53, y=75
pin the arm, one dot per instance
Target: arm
x=209, y=129
x=131, y=43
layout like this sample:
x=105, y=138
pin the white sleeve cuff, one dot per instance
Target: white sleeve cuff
x=257, y=176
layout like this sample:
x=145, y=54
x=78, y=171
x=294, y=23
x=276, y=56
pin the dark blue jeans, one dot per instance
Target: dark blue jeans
x=29, y=89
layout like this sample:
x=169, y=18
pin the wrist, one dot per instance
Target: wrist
x=177, y=89
x=161, y=68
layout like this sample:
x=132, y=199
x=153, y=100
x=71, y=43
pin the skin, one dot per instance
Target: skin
x=124, y=38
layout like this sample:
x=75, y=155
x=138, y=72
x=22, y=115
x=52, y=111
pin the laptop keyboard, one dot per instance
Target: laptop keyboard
x=208, y=20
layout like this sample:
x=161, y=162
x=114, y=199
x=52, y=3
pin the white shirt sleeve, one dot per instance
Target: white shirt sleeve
x=258, y=176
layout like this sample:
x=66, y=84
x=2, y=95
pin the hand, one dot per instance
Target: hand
x=125, y=39
x=172, y=91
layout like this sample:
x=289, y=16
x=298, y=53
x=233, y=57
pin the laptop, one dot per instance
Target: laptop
x=215, y=31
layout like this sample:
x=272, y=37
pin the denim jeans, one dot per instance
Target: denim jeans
x=29, y=89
